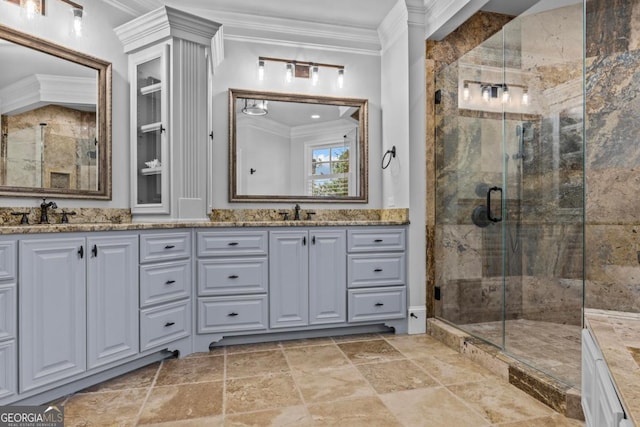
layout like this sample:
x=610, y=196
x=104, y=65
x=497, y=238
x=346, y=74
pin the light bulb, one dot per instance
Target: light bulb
x=505, y=94
x=260, y=70
x=466, y=95
x=341, y=78
x=77, y=21
x=486, y=93
x=314, y=75
x=288, y=77
x=30, y=8
x=525, y=97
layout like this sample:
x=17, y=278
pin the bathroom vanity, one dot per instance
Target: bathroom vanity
x=81, y=303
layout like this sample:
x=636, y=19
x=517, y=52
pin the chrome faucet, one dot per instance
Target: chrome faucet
x=296, y=215
x=44, y=207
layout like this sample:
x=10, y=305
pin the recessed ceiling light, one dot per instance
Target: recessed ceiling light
x=315, y=116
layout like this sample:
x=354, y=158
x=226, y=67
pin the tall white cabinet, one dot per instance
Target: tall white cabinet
x=170, y=66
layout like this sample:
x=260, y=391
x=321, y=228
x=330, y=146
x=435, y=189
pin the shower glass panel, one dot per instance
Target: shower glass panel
x=509, y=189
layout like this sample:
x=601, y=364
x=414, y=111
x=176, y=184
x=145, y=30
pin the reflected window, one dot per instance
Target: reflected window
x=329, y=170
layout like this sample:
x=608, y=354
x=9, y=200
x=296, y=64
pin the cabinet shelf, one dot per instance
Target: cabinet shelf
x=156, y=87
x=151, y=171
x=151, y=127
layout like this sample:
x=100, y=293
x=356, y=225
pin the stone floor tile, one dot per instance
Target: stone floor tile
x=183, y=402
x=247, y=348
x=553, y=421
x=370, y=351
x=217, y=421
x=306, y=342
x=397, y=375
x=256, y=363
x=198, y=369
x=453, y=369
x=361, y=412
x=332, y=384
x=420, y=345
x=291, y=416
x=356, y=337
x=435, y=407
x=315, y=358
x=109, y=408
x=500, y=402
x=259, y=393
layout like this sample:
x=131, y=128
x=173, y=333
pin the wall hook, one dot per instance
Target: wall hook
x=252, y=171
x=388, y=155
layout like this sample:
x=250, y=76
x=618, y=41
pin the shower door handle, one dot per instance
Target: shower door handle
x=489, y=216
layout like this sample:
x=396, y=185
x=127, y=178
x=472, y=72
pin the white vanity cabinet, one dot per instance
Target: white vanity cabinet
x=307, y=277
x=8, y=320
x=170, y=68
x=376, y=274
x=78, y=305
x=165, y=287
x=232, y=270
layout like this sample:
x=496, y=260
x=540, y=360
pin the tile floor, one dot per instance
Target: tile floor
x=367, y=380
x=553, y=348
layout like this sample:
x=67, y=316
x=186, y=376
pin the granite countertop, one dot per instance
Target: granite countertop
x=618, y=336
x=84, y=227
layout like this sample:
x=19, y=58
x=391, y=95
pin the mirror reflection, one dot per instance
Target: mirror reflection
x=287, y=146
x=52, y=115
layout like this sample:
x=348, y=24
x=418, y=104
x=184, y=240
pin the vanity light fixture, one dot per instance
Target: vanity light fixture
x=301, y=69
x=505, y=94
x=491, y=91
x=525, y=96
x=466, y=94
x=486, y=93
x=30, y=8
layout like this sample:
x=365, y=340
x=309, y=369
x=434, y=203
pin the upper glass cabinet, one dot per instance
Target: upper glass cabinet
x=149, y=152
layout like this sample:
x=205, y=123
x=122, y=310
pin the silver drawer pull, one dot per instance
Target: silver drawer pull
x=170, y=246
x=233, y=276
x=232, y=314
x=170, y=282
x=166, y=325
x=233, y=243
x=377, y=270
x=379, y=304
x=378, y=241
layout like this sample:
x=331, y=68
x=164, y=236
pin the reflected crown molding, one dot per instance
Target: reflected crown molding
x=41, y=89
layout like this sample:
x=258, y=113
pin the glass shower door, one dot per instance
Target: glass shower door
x=509, y=190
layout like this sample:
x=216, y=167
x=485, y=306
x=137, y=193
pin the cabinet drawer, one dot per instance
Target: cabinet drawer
x=232, y=276
x=376, y=240
x=377, y=304
x=232, y=243
x=164, y=282
x=7, y=312
x=225, y=314
x=376, y=270
x=163, y=324
x=165, y=246
x=8, y=260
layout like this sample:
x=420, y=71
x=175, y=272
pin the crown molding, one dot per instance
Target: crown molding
x=42, y=89
x=441, y=18
x=134, y=8
x=393, y=25
x=163, y=23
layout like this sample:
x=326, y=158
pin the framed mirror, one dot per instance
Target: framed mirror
x=285, y=147
x=55, y=120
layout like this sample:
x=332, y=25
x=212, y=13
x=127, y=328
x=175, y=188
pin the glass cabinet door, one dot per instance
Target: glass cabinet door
x=150, y=154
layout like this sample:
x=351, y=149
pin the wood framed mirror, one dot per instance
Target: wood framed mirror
x=285, y=147
x=55, y=120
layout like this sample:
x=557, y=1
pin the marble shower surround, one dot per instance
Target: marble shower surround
x=613, y=155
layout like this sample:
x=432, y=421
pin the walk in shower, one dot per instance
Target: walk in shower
x=509, y=189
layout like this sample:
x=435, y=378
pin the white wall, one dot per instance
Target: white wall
x=238, y=71
x=100, y=41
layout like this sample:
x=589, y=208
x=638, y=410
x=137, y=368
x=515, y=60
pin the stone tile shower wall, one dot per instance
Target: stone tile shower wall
x=543, y=239
x=613, y=155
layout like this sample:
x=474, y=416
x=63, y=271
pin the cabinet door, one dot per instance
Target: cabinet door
x=8, y=377
x=52, y=320
x=288, y=278
x=149, y=151
x=112, y=299
x=327, y=277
